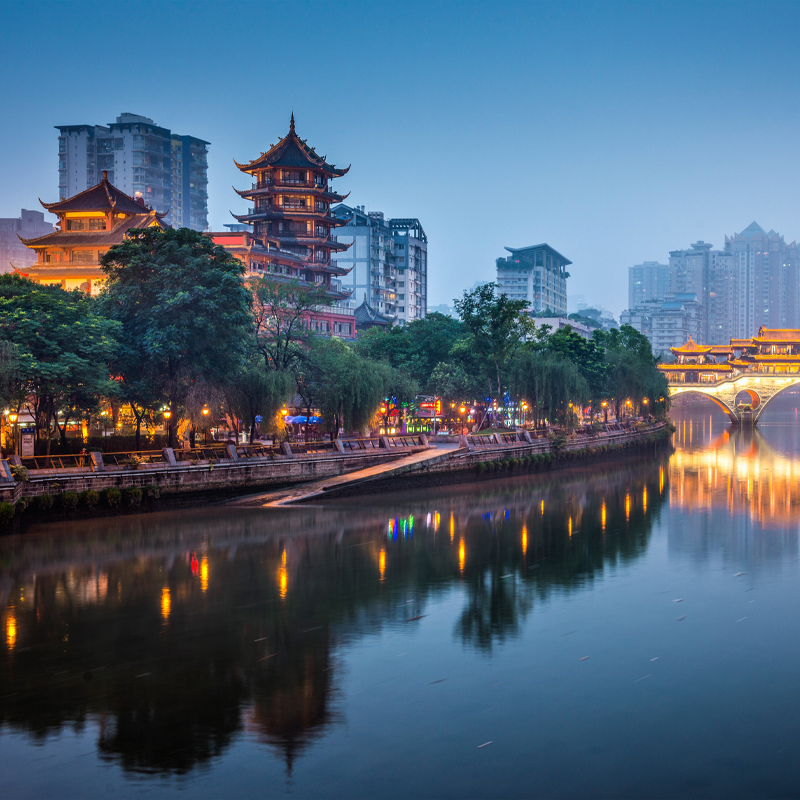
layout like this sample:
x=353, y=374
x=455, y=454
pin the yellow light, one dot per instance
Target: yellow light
x=452, y=526
x=604, y=404
x=660, y=479
x=462, y=555
x=542, y=507
x=166, y=603
x=382, y=562
x=283, y=582
x=436, y=520
x=13, y=417
x=570, y=526
x=627, y=507
x=283, y=557
x=524, y=539
x=204, y=573
x=461, y=410
x=205, y=411
x=644, y=499
x=167, y=414
x=392, y=431
x=603, y=516
x=284, y=412
x=11, y=630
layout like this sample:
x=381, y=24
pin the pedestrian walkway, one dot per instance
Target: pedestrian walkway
x=316, y=489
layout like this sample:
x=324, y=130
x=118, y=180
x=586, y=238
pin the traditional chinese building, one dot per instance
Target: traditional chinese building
x=88, y=225
x=292, y=236
x=773, y=351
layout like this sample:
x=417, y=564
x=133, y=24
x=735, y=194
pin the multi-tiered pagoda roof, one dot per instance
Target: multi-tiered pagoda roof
x=291, y=218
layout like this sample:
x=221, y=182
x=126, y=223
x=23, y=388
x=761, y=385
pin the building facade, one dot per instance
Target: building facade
x=647, y=281
x=666, y=323
x=292, y=228
x=169, y=172
x=88, y=224
x=536, y=274
x=388, y=262
x=14, y=254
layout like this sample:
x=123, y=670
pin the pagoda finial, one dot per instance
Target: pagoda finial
x=291, y=124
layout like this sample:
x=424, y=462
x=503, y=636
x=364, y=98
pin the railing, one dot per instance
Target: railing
x=133, y=458
x=56, y=462
x=403, y=441
x=360, y=444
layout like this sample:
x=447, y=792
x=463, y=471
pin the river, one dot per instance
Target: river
x=629, y=629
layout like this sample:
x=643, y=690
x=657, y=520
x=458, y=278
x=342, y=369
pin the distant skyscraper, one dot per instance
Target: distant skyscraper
x=537, y=274
x=767, y=282
x=647, y=281
x=169, y=172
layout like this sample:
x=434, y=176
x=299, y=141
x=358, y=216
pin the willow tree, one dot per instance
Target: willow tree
x=549, y=383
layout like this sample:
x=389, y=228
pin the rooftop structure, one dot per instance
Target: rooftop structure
x=89, y=224
x=536, y=274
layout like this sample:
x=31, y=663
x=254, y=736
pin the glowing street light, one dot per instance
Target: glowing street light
x=604, y=404
x=13, y=417
x=205, y=411
x=167, y=414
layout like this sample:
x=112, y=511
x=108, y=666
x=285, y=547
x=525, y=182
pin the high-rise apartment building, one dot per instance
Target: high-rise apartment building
x=14, y=254
x=767, y=280
x=167, y=171
x=647, y=281
x=537, y=274
x=388, y=260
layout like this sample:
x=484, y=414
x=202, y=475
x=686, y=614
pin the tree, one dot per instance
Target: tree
x=498, y=326
x=183, y=308
x=282, y=312
x=586, y=354
x=63, y=346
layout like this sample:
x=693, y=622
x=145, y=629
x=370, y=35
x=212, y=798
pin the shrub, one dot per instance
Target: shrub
x=131, y=460
x=69, y=500
x=133, y=496
x=44, y=502
x=22, y=504
x=152, y=492
x=6, y=512
x=112, y=496
x=90, y=498
x=20, y=473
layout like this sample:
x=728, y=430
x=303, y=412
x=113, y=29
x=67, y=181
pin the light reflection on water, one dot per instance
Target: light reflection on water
x=629, y=618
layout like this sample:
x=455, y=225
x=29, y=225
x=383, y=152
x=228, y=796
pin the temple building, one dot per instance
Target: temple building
x=291, y=236
x=88, y=225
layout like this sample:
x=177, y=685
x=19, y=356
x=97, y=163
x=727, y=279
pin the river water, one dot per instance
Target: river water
x=625, y=630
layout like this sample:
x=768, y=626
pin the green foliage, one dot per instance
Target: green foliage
x=112, y=496
x=549, y=382
x=21, y=504
x=69, y=500
x=133, y=496
x=184, y=311
x=131, y=460
x=498, y=326
x=44, y=502
x=6, y=512
x=586, y=354
x=62, y=345
x=89, y=498
x=20, y=473
x=152, y=492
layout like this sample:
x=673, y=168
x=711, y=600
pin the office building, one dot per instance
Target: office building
x=537, y=274
x=388, y=262
x=647, y=281
x=14, y=254
x=168, y=171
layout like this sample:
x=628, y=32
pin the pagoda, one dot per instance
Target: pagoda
x=89, y=223
x=291, y=213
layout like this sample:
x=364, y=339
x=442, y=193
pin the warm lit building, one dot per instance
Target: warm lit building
x=292, y=237
x=88, y=225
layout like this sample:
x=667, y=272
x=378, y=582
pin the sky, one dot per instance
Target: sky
x=615, y=132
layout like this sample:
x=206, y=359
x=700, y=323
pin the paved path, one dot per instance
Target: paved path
x=315, y=489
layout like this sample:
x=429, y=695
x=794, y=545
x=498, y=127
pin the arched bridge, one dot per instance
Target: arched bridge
x=759, y=389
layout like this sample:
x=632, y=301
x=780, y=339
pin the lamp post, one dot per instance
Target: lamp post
x=645, y=401
x=604, y=404
x=12, y=418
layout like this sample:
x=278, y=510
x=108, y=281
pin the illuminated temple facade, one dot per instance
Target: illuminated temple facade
x=292, y=227
x=88, y=225
x=772, y=351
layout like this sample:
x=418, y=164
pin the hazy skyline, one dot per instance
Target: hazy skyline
x=613, y=132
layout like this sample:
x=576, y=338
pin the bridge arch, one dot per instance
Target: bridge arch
x=760, y=410
x=721, y=403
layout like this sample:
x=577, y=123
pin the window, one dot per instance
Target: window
x=98, y=224
x=118, y=144
x=83, y=256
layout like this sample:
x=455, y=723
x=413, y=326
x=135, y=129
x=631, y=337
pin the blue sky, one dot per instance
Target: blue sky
x=615, y=132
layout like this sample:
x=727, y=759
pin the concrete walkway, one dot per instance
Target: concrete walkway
x=316, y=489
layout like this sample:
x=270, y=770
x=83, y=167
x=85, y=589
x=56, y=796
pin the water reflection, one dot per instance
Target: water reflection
x=173, y=656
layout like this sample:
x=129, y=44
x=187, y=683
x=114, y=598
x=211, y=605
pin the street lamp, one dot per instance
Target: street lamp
x=12, y=418
x=604, y=404
x=204, y=412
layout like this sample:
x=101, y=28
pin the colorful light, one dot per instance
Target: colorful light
x=382, y=563
x=166, y=603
